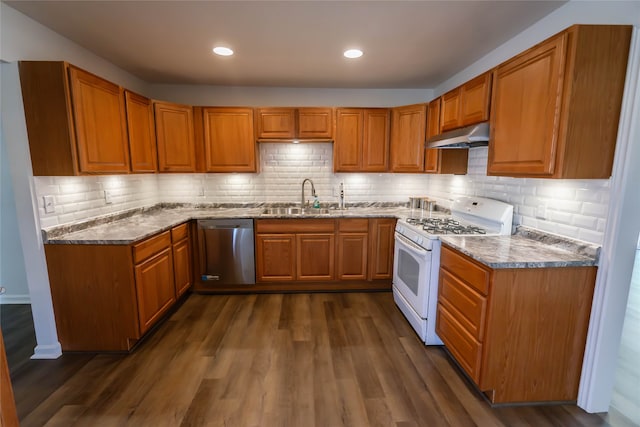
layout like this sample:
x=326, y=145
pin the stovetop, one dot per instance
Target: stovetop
x=445, y=226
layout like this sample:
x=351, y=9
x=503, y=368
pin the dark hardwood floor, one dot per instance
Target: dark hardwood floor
x=336, y=359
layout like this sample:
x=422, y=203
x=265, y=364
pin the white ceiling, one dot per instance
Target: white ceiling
x=406, y=44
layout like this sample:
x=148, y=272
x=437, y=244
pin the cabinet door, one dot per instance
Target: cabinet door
x=475, y=99
x=315, y=123
x=525, y=111
x=182, y=266
x=228, y=140
x=450, y=110
x=431, y=159
x=175, y=139
x=315, y=255
x=99, y=116
x=352, y=256
x=275, y=257
x=142, y=133
x=276, y=123
x=407, y=138
x=155, y=288
x=381, y=234
x=347, y=148
x=375, y=141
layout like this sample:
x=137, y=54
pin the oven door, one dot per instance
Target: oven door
x=411, y=273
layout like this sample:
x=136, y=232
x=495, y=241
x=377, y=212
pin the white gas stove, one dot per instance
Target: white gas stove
x=417, y=254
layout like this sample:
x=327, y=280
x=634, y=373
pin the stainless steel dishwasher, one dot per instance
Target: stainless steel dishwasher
x=226, y=252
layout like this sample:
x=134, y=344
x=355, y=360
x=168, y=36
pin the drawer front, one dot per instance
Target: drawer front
x=464, y=348
x=471, y=273
x=179, y=232
x=295, y=225
x=151, y=246
x=355, y=225
x=466, y=305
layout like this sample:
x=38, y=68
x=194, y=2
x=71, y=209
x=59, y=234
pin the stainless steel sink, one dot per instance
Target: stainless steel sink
x=294, y=211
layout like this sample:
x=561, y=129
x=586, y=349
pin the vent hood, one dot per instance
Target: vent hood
x=467, y=137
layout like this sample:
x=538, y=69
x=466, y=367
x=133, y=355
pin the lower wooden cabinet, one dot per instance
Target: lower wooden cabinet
x=105, y=297
x=344, y=253
x=519, y=334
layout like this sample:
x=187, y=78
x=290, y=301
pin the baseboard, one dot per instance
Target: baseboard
x=52, y=351
x=15, y=299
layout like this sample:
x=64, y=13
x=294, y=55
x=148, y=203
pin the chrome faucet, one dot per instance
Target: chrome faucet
x=313, y=192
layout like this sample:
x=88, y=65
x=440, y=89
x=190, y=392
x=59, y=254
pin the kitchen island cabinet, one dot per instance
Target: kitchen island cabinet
x=518, y=333
x=107, y=296
x=75, y=120
x=556, y=106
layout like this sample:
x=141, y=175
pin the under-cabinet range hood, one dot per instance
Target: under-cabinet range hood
x=467, y=137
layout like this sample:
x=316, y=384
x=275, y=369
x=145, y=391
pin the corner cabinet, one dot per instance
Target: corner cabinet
x=448, y=161
x=106, y=297
x=175, y=138
x=556, y=106
x=75, y=120
x=362, y=140
x=408, y=127
x=519, y=334
x=229, y=144
x=142, y=133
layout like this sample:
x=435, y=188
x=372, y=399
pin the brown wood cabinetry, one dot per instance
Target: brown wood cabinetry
x=442, y=161
x=353, y=248
x=75, y=120
x=288, y=123
x=8, y=412
x=182, y=270
x=556, y=106
x=408, y=129
x=229, y=142
x=361, y=140
x=381, y=236
x=142, y=133
x=315, y=256
x=275, y=257
x=467, y=104
x=518, y=333
x=105, y=297
x=175, y=137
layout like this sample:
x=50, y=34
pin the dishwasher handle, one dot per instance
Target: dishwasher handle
x=225, y=224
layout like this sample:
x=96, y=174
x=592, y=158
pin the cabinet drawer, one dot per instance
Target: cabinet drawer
x=464, y=348
x=151, y=246
x=295, y=225
x=466, y=305
x=179, y=232
x=470, y=272
x=354, y=225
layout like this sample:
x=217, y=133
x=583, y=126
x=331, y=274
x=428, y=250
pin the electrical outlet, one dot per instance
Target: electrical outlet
x=201, y=192
x=49, y=206
x=108, y=197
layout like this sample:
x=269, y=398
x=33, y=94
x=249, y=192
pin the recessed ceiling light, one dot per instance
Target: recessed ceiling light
x=222, y=51
x=353, y=53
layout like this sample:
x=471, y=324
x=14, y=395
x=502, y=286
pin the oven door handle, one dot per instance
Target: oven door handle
x=418, y=250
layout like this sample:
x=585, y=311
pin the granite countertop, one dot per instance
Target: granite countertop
x=130, y=227
x=527, y=248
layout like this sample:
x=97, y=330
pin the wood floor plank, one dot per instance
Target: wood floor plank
x=309, y=360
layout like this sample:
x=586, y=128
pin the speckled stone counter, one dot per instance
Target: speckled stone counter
x=527, y=248
x=132, y=226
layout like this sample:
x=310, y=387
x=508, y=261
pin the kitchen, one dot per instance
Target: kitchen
x=595, y=195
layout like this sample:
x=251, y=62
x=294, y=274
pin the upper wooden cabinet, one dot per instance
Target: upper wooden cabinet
x=444, y=161
x=75, y=120
x=229, y=142
x=361, y=140
x=175, y=139
x=408, y=125
x=556, y=106
x=287, y=123
x=467, y=104
x=142, y=133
